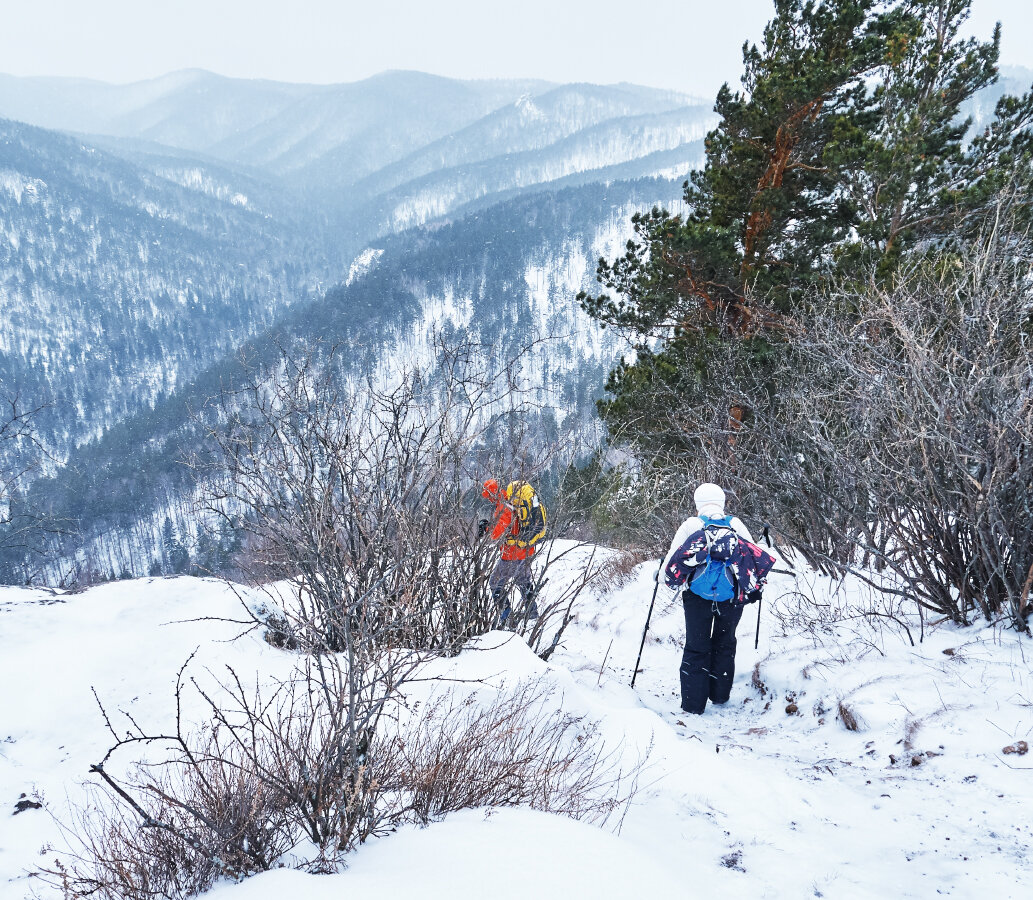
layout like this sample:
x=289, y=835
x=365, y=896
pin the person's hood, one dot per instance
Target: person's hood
x=709, y=500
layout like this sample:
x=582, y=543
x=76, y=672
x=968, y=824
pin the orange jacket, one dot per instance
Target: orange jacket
x=505, y=522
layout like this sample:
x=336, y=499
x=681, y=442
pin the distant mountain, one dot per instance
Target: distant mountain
x=531, y=123
x=275, y=126
x=376, y=148
x=119, y=283
x=501, y=276
x=632, y=144
x=200, y=208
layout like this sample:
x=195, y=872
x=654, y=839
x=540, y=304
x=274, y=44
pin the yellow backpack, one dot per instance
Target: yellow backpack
x=530, y=513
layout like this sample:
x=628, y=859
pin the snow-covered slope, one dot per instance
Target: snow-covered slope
x=119, y=283
x=507, y=854
x=382, y=154
x=769, y=797
x=632, y=142
x=773, y=795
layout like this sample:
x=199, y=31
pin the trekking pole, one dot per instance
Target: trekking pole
x=756, y=639
x=649, y=615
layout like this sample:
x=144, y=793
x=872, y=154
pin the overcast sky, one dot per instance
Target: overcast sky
x=688, y=45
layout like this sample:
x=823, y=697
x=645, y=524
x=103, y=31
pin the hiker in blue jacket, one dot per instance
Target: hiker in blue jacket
x=714, y=556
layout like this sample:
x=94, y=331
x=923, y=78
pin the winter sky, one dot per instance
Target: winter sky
x=688, y=45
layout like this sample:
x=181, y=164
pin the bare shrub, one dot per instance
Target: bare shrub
x=921, y=436
x=618, y=569
x=293, y=763
x=641, y=505
x=186, y=824
x=818, y=607
x=356, y=507
x=510, y=752
x=363, y=499
x=28, y=534
x=281, y=779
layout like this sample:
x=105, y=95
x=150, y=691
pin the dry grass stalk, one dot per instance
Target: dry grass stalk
x=847, y=717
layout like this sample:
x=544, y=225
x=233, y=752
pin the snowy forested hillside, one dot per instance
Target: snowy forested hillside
x=504, y=277
x=119, y=284
x=197, y=209
x=1014, y=80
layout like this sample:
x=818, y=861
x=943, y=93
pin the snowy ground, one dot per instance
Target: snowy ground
x=770, y=796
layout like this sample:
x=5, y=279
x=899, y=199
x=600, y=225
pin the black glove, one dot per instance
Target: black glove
x=482, y=526
x=753, y=596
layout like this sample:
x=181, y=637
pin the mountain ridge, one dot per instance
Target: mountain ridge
x=281, y=126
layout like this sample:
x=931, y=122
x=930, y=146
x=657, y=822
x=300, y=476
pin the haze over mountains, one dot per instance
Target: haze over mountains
x=149, y=231
x=274, y=183
x=281, y=127
x=332, y=134
x=384, y=154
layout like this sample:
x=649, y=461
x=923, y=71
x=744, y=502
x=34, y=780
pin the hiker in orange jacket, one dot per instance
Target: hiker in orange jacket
x=519, y=524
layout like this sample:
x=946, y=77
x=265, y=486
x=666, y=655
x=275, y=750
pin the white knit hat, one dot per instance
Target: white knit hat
x=709, y=499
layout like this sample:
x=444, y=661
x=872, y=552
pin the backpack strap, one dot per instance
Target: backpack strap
x=709, y=523
x=724, y=521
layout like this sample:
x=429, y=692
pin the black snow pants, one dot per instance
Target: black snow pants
x=708, y=663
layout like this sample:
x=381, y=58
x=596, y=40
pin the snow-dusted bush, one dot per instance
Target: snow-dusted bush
x=513, y=751
x=363, y=498
x=285, y=778
x=175, y=829
x=907, y=423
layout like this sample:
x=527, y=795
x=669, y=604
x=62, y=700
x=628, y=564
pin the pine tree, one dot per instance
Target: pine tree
x=901, y=177
x=176, y=556
x=843, y=150
x=765, y=204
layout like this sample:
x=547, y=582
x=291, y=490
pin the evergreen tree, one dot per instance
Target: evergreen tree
x=765, y=205
x=843, y=149
x=901, y=175
x=176, y=556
